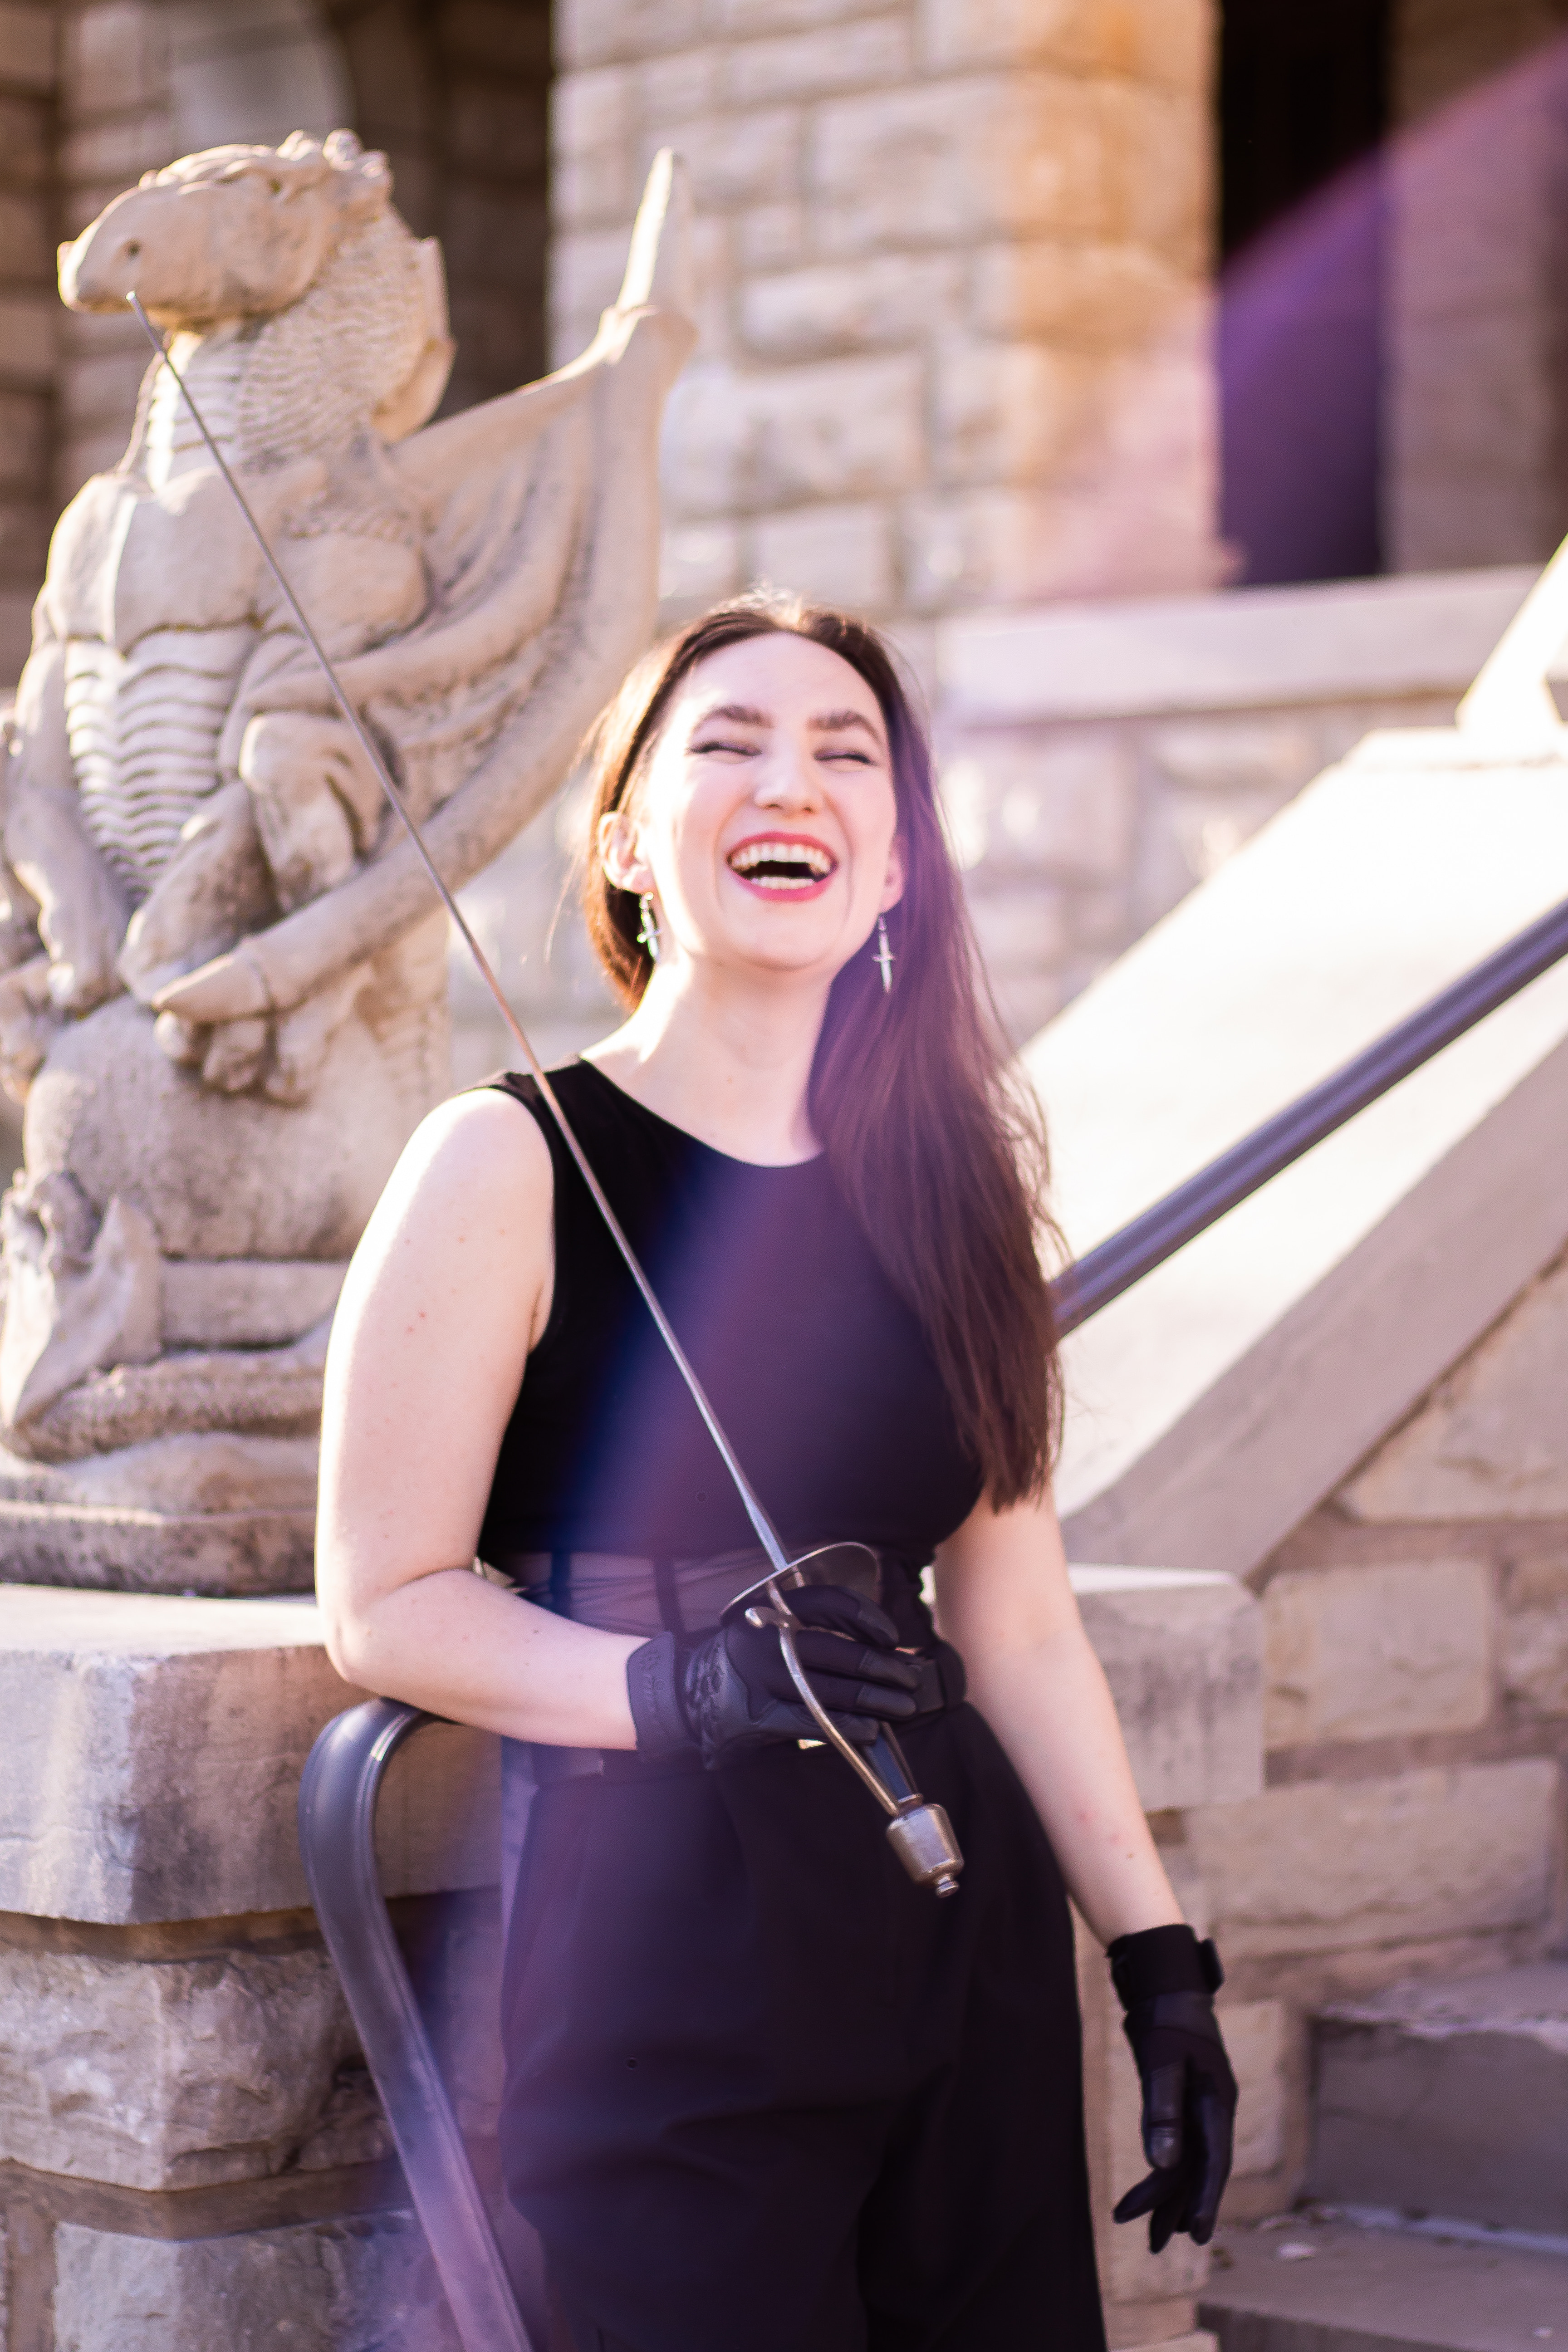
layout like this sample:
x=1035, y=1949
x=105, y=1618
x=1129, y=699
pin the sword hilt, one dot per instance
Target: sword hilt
x=919, y=1834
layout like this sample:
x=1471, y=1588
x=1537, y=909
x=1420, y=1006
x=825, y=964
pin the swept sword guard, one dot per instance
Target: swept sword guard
x=919, y=1833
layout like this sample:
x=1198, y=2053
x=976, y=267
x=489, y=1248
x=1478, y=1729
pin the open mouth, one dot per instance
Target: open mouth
x=783, y=863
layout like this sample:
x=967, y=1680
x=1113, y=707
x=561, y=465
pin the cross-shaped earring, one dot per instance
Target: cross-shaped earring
x=884, y=957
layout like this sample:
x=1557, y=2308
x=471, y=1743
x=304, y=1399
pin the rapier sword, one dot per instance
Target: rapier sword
x=919, y=1833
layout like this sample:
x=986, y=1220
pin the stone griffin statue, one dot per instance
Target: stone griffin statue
x=224, y=988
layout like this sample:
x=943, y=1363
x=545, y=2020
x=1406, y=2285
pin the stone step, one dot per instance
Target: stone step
x=1327, y=2286
x=1449, y=2098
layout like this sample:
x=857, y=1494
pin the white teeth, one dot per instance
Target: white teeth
x=809, y=862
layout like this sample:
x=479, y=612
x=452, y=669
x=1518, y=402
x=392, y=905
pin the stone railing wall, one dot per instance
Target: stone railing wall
x=1100, y=761
x=1415, y=1720
x=1349, y=1391
x=190, y=2151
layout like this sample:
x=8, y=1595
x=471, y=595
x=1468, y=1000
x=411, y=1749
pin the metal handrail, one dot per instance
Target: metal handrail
x=338, y=1798
x=1104, y=1272
x=343, y=1778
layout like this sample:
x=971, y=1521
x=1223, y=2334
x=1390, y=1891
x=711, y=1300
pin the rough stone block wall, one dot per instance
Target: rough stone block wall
x=28, y=312
x=360, y=2285
x=117, y=121
x=191, y=2152
x=952, y=261
x=1077, y=837
x=1416, y=1723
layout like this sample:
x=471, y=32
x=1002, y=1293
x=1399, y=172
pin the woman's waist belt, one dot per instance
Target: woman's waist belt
x=620, y=1592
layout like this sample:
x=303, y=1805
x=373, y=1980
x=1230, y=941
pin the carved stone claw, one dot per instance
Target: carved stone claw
x=181, y=1041
x=302, y=1039
x=231, y=988
x=82, y=949
x=28, y=1022
x=237, y=1056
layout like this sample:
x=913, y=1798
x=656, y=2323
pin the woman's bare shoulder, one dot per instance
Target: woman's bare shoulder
x=486, y=1132
x=476, y=1163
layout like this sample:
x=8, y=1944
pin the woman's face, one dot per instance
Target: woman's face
x=765, y=825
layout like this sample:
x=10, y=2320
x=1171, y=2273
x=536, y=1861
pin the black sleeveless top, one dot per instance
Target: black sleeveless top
x=819, y=1372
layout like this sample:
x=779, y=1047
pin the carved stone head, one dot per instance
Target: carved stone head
x=231, y=233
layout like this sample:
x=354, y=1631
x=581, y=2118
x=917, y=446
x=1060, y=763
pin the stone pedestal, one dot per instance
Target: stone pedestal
x=191, y=2152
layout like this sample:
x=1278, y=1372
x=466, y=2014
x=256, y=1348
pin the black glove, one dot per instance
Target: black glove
x=731, y=1690
x=1167, y=1982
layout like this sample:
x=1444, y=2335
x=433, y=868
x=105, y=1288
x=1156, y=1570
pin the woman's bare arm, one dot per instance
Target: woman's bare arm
x=448, y=1291
x=1003, y=1599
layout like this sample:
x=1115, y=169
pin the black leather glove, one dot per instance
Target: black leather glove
x=731, y=1691
x=1167, y=1982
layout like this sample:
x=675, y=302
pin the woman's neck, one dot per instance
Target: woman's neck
x=728, y=1063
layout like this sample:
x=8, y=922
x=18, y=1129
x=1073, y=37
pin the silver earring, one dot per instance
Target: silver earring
x=884, y=957
x=648, y=936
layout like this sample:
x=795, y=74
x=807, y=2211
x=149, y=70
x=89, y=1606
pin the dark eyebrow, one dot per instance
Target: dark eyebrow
x=834, y=722
x=741, y=714
x=738, y=713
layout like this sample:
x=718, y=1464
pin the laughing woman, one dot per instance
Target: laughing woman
x=763, y=2094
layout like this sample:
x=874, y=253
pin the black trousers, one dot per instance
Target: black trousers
x=765, y=2094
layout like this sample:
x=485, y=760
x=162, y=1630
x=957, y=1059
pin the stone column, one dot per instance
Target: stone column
x=954, y=259
x=456, y=98
x=1477, y=470
x=28, y=314
x=116, y=122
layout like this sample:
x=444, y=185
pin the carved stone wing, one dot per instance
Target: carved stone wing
x=541, y=518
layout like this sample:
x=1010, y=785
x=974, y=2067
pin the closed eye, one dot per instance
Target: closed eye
x=726, y=749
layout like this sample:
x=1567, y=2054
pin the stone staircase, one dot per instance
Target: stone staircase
x=1438, y=2182
x=1329, y=2287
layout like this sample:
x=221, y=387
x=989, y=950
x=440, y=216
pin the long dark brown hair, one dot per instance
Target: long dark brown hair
x=939, y=1152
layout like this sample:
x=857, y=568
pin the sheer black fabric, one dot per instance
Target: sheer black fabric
x=821, y=1374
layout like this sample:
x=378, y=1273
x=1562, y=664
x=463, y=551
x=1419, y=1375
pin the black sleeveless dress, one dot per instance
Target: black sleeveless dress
x=762, y=2092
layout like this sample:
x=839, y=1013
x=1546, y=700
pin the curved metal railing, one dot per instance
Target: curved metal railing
x=1104, y=1272
x=338, y=1798
x=343, y=1778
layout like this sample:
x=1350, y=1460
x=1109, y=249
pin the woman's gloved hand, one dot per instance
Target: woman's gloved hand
x=1167, y=1982
x=731, y=1691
